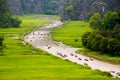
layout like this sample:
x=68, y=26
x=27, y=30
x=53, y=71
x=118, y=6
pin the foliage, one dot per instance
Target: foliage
x=20, y=7
x=110, y=19
x=95, y=21
x=106, y=34
x=5, y=17
x=69, y=11
x=103, y=56
x=84, y=38
x=1, y=40
x=103, y=44
x=113, y=47
x=24, y=27
x=1, y=44
x=97, y=42
x=22, y=61
x=15, y=22
x=71, y=32
x=13, y=44
x=84, y=9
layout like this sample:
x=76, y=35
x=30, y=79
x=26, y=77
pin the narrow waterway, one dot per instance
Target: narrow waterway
x=41, y=38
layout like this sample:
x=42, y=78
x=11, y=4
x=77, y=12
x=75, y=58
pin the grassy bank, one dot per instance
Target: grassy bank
x=71, y=33
x=23, y=62
x=100, y=56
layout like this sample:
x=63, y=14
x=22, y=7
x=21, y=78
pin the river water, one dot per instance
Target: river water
x=41, y=38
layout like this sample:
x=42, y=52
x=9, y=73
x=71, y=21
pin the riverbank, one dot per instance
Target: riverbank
x=39, y=39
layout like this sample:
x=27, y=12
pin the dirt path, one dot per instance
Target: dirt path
x=41, y=39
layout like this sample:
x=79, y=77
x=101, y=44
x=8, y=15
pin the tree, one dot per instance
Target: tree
x=15, y=22
x=84, y=38
x=106, y=35
x=113, y=47
x=95, y=21
x=103, y=44
x=90, y=39
x=83, y=9
x=116, y=32
x=110, y=19
x=5, y=17
x=96, y=42
x=4, y=14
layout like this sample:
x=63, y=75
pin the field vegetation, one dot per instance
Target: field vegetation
x=71, y=34
x=44, y=67
x=21, y=61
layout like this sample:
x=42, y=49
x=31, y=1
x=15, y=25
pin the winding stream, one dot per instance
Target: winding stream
x=40, y=38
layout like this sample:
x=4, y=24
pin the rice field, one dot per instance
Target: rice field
x=21, y=61
x=45, y=67
x=71, y=33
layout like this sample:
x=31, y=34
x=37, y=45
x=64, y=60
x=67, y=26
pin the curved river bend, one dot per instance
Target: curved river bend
x=40, y=38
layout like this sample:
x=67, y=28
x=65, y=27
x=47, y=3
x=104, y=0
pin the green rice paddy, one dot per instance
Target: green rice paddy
x=71, y=32
x=23, y=62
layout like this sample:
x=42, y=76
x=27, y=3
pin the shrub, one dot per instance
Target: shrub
x=106, y=34
x=76, y=40
x=117, y=36
x=113, y=47
x=103, y=44
x=15, y=22
x=96, y=42
x=84, y=38
x=107, y=74
x=1, y=45
x=110, y=19
x=1, y=40
x=90, y=39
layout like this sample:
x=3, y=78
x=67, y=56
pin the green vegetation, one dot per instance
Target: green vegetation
x=21, y=61
x=83, y=9
x=6, y=20
x=38, y=17
x=29, y=22
x=25, y=26
x=15, y=46
x=45, y=67
x=1, y=44
x=34, y=6
x=99, y=55
x=74, y=30
x=105, y=36
x=1, y=40
x=71, y=32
